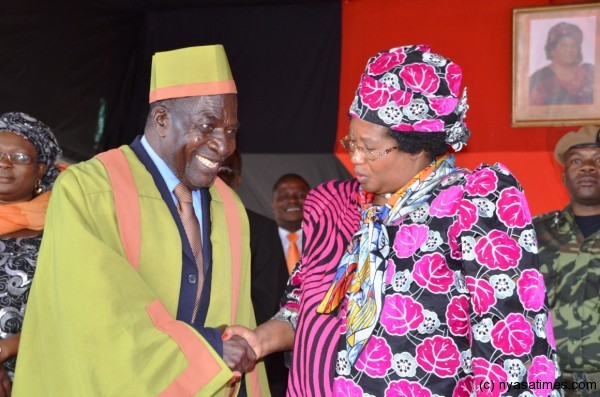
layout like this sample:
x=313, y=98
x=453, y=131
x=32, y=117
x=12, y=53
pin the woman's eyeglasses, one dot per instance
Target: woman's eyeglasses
x=18, y=158
x=372, y=155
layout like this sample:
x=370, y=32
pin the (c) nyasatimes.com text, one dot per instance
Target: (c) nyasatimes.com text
x=537, y=385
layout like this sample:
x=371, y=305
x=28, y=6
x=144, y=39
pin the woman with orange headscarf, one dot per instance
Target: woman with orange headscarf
x=28, y=153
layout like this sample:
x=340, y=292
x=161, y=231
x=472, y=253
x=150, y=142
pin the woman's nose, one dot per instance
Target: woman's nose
x=357, y=157
x=5, y=160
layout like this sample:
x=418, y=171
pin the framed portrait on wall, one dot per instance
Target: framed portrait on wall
x=556, y=65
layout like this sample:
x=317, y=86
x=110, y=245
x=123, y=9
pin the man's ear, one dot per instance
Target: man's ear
x=160, y=119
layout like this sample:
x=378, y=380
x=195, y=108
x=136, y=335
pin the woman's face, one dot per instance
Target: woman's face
x=566, y=52
x=17, y=181
x=388, y=173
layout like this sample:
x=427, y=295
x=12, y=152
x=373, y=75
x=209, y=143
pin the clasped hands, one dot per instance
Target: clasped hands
x=241, y=349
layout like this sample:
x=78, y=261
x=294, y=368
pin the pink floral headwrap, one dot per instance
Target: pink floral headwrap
x=412, y=89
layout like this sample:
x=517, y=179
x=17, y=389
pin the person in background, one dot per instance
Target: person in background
x=269, y=274
x=569, y=252
x=145, y=256
x=289, y=193
x=417, y=278
x=28, y=155
x=566, y=81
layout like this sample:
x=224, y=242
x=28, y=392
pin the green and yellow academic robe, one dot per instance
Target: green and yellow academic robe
x=97, y=326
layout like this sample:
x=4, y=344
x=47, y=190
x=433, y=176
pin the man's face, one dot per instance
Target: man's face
x=582, y=175
x=288, y=202
x=198, y=136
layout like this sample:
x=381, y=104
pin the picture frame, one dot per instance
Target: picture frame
x=556, y=65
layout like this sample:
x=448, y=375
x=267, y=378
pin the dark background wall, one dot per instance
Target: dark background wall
x=83, y=68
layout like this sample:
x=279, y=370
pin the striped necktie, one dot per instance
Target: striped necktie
x=192, y=230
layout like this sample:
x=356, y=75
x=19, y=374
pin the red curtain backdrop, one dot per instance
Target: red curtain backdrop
x=478, y=36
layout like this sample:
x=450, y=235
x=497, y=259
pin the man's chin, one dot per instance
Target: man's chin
x=200, y=182
x=293, y=219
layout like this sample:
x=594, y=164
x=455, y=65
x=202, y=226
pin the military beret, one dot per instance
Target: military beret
x=588, y=136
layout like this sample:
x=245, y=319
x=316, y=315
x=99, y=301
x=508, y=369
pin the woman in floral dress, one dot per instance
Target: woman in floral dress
x=418, y=278
x=28, y=154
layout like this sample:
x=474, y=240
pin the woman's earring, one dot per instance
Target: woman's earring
x=38, y=188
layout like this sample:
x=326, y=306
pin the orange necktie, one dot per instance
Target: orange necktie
x=293, y=254
x=192, y=230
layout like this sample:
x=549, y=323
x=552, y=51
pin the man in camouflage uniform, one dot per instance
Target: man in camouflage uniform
x=569, y=252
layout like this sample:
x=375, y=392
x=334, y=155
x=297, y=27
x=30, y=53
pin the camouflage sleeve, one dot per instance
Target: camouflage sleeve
x=547, y=254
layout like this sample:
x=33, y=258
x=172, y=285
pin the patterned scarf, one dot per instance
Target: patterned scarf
x=360, y=274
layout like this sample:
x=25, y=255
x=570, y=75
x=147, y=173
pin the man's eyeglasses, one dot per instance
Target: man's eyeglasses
x=372, y=155
x=18, y=158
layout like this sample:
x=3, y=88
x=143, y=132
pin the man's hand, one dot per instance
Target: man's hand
x=272, y=336
x=237, y=354
x=249, y=335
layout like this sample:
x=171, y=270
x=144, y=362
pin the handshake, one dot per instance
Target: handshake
x=241, y=349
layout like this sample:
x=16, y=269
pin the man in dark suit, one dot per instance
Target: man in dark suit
x=268, y=271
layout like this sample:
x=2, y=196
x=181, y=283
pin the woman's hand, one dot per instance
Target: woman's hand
x=272, y=336
x=246, y=333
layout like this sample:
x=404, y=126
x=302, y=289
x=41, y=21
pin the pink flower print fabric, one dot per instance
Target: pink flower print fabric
x=497, y=250
x=457, y=315
x=412, y=89
x=481, y=183
x=513, y=210
x=531, y=289
x=387, y=61
x=464, y=303
x=488, y=373
x=405, y=388
x=482, y=294
x=401, y=314
x=421, y=78
x=513, y=335
x=431, y=272
x=376, y=358
x=542, y=370
x=346, y=388
x=373, y=93
x=447, y=202
x=439, y=355
x=409, y=238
